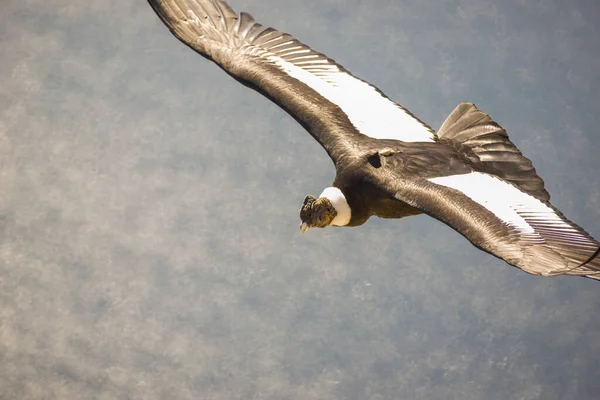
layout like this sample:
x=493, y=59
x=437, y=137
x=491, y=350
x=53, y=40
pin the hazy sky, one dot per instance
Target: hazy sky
x=149, y=209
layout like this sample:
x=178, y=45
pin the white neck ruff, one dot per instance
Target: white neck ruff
x=338, y=200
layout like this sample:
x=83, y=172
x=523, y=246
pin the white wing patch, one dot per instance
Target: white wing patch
x=371, y=113
x=512, y=206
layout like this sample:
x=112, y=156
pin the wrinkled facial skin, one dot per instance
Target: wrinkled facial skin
x=316, y=213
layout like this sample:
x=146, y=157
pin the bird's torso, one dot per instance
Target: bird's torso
x=361, y=175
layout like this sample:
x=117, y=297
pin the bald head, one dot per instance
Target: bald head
x=316, y=213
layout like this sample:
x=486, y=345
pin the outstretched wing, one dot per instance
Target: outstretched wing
x=501, y=219
x=332, y=104
x=495, y=199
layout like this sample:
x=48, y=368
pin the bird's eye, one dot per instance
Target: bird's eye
x=308, y=200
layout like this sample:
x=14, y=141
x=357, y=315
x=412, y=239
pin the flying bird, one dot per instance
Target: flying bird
x=388, y=163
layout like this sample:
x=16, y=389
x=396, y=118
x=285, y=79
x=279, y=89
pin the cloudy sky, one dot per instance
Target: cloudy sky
x=149, y=211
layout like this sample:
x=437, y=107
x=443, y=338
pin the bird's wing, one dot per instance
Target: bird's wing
x=507, y=217
x=499, y=218
x=324, y=97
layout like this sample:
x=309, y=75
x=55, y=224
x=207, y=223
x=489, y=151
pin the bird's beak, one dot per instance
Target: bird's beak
x=304, y=227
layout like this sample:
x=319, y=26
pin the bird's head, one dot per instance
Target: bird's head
x=316, y=213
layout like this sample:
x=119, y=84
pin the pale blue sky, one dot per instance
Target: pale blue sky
x=149, y=203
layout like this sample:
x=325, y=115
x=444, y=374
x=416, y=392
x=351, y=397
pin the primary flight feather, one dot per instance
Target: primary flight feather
x=388, y=163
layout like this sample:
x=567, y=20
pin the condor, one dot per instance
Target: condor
x=388, y=163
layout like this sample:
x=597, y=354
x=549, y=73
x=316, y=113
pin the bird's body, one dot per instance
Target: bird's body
x=390, y=164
